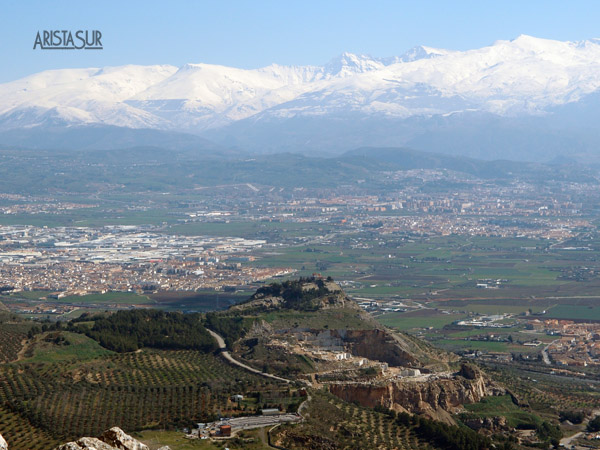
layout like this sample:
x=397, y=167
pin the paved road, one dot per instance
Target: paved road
x=248, y=423
x=567, y=441
x=303, y=405
x=229, y=358
x=545, y=356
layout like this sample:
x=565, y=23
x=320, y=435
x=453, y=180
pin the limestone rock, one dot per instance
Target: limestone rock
x=434, y=398
x=3, y=444
x=118, y=439
x=491, y=424
x=113, y=439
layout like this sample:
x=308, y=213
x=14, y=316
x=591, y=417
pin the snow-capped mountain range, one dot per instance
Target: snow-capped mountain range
x=526, y=76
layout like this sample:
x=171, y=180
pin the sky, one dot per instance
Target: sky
x=250, y=34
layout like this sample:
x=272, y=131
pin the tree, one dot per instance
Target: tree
x=594, y=424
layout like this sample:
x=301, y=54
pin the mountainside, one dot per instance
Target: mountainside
x=423, y=98
x=309, y=329
x=307, y=314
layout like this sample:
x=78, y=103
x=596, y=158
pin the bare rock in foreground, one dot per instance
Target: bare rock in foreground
x=113, y=439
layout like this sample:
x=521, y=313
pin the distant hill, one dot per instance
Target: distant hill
x=158, y=169
x=103, y=137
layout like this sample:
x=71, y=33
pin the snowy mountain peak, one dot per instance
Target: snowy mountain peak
x=348, y=64
x=523, y=76
x=421, y=52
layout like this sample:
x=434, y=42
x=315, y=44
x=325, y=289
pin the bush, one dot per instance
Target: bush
x=594, y=424
x=575, y=417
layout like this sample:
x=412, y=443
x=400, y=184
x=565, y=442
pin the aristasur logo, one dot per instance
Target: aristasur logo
x=68, y=40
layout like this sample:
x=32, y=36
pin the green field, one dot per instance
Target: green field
x=123, y=298
x=74, y=348
x=502, y=406
x=404, y=322
x=248, y=439
x=495, y=307
x=574, y=312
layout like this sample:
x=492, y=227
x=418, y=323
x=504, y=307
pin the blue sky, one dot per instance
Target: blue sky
x=257, y=33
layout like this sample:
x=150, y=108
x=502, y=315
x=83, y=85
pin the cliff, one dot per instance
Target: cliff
x=434, y=397
x=398, y=350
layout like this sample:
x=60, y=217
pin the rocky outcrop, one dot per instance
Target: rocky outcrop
x=435, y=397
x=118, y=439
x=3, y=444
x=113, y=439
x=276, y=296
x=491, y=424
x=377, y=345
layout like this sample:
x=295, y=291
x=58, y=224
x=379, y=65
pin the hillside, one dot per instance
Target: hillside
x=295, y=315
x=308, y=329
x=157, y=170
x=154, y=370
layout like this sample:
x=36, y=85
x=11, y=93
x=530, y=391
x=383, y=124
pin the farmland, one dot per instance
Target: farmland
x=348, y=426
x=65, y=391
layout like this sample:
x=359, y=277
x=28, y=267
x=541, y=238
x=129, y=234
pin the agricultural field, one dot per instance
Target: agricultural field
x=62, y=347
x=416, y=321
x=67, y=386
x=574, y=312
x=11, y=339
x=13, y=333
x=522, y=273
x=330, y=421
x=186, y=301
x=502, y=406
x=439, y=328
x=547, y=393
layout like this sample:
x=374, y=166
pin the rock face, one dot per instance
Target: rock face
x=113, y=439
x=434, y=398
x=269, y=298
x=3, y=444
x=377, y=345
x=492, y=424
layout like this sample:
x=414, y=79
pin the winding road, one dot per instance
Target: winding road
x=566, y=442
x=230, y=358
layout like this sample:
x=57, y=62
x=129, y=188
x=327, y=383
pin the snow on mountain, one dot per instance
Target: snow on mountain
x=524, y=76
x=420, y=52
x=82, y=96
x=348, y=64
